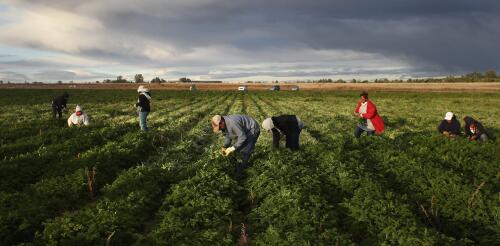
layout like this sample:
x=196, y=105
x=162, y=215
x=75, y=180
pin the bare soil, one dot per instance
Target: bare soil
x=424, y=87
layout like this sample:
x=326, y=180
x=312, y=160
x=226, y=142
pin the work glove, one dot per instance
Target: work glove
x=222, y=150
x=228, y=151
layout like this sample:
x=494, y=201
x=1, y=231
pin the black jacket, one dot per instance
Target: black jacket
x=286, y=124
x=453, y=127
x=60, y=102
x=144, y=103
x=480, y=128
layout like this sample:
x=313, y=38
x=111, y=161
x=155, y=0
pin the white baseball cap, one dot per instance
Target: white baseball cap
x=268, y=124
x=448, y=116
x=78, y=108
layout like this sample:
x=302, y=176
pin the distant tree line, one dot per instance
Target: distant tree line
x=488, y=76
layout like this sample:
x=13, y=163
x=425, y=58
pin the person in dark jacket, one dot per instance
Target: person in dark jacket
x=59, y=104
x=240, y=134
x=474, y=130
x=449, y=126
x=143, y=106
x=288, y=125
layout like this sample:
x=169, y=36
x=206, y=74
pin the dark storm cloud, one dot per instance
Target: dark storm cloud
x=441, y=37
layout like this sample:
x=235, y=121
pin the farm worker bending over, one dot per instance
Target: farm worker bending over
x=450, y=126
x=288, y=125
x=59, y=103
x=78, y=118
x=240, y=130
x=143, y=106
x=474, y=130
x=371, y=122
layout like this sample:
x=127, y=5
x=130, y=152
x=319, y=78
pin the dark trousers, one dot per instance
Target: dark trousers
x=56, y=110
x=247, y=150
x=292, y=140
x=360, y=131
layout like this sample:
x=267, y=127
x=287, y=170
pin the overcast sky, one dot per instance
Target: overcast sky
x=239, y=40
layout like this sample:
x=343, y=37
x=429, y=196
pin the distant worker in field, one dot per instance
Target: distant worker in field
x=59, y=104
x=78, y=118
x=288, y=125
x=143, y=106
x=371, y=122
x=240, y=134
x=474, y=130
x=449, y=127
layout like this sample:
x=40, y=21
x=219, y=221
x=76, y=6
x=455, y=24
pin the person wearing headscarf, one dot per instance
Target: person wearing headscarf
x=78, y=118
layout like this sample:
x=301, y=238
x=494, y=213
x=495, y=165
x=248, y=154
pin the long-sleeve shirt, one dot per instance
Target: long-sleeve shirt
x=78, y=120
x=477, y=131
x=60, y=102
x=238, y=128
x=143, y=102
x=286, y=124
x=453, y=127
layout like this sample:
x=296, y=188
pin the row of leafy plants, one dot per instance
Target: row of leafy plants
x=26, y=210
x=124, y=211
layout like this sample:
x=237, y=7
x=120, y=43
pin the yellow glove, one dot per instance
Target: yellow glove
x=228, y=151
x=222, y=150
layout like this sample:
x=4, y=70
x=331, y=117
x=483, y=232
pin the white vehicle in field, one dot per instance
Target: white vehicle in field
x=243, y=88
x=295, y=88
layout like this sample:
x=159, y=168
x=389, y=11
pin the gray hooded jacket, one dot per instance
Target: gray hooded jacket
x=239, y=128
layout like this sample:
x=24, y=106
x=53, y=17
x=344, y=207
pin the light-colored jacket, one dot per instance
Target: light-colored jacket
x=82, y=120
x=239, y=128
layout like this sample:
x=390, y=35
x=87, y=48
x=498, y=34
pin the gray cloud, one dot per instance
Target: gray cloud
x=194, y=37
x=6, y=76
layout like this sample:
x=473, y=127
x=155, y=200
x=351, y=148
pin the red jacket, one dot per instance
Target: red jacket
x=372, y=114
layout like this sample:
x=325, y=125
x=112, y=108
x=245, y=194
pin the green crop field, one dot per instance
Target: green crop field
x=111, y=184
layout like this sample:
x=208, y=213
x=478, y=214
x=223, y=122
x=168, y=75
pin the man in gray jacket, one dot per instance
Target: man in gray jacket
x=240, y=130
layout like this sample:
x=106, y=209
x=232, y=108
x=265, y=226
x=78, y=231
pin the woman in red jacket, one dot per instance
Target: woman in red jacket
x=371, y=121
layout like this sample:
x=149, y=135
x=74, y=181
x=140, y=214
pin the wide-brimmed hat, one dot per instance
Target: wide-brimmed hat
x=215, y=123
x=142, y=89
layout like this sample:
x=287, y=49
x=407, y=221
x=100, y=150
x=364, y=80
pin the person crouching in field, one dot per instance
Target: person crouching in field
x=449, y=127
x=242, y=132
x=474, y=130
x=59, y=104
x=143, y=106
x=288, y=125
x=371, y=122
x=78, y=118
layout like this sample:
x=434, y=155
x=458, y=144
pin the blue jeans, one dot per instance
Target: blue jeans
x=360, y=131
x=248, y=147
x=143, y=120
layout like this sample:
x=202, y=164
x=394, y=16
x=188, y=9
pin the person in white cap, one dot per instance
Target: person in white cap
x=143, y=106
x=449, y=126
x=240, y=134
x=288, y=125
x=78, y=118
